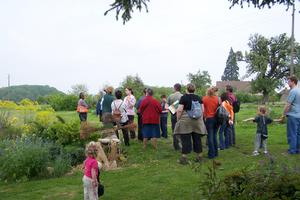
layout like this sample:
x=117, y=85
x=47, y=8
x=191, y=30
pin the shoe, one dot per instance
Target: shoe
x=255, y=153
x=198, y=159
x=183, y=161
x=266, y=152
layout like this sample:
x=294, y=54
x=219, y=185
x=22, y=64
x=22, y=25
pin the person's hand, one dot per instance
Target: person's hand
x=230, y=122
x=95, y=183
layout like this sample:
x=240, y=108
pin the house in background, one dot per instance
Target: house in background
x=240, y=86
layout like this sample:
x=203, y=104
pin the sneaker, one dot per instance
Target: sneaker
x=183, y=161
x=266, y=152
x=255, y=153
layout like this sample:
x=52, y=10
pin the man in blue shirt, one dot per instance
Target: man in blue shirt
x=292, y=112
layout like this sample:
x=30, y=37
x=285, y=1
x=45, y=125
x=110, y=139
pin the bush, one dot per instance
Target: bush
x=264, y=181
x=76, y=154
x=29, y=157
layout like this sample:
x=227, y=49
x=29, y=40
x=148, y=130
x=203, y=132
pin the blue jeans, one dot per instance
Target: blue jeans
x=221, y=136
x=293, y=134
x=212, y=130
x=228, y=135
x=163, y=126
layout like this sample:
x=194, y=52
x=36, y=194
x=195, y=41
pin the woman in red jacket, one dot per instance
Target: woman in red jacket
x=150, y=110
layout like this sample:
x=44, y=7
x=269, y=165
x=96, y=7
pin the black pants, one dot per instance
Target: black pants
x=175, y=140
x=83, y=116
x=131, y=120
x=140, y=125
x=188, y=139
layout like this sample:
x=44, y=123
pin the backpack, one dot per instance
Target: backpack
x=236, y=106
x=222, y=115
x=196, y=110
x=116, y=114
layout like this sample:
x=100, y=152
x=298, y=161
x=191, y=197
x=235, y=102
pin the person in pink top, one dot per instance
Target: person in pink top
x=90, y=183
x=129, y=101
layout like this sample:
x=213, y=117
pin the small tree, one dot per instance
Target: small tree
x=134, y=82
x=76, y=89
x=268, y=61
x=201, y=80
x=231, y=71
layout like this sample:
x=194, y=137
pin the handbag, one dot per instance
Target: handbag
x=100, y=190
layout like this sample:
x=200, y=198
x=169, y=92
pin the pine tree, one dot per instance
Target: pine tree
x=231, y=71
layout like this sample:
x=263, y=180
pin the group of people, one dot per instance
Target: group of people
x=194, y=117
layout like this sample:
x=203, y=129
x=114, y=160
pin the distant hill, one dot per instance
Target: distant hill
x=17, y=93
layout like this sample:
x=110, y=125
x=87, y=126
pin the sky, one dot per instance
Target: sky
x=61, y=43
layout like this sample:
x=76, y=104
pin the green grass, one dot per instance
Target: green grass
x=154, y=174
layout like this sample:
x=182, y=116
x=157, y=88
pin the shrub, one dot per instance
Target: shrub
x=30, y=157
x=264, y=181
x=76, y=154
x=23, y=158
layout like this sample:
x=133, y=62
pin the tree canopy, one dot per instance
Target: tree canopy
x=126, y=7
x=231, y=71
x=268, y=61
x=201, y=80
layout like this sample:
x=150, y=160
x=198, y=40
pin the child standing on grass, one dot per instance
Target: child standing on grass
x=90, y=183
x=262, y=130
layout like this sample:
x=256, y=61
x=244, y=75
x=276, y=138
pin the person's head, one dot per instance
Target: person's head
x=190, y=88
x=262, y=110
x=224, y=97
x=229, y=88
x=212, y=91
x=91, y=150
x=149, y=92
x=128, y=91
x=177, y=87
x=144, y=91
x=292, y=81
x=109, y=90
x=81, y=95
x=118, y=94
x=163, y=97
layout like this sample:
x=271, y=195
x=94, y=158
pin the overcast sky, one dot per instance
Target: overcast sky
x=65, y=42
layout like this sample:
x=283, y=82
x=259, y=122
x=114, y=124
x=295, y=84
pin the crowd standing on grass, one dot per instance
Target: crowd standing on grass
x=192, y=118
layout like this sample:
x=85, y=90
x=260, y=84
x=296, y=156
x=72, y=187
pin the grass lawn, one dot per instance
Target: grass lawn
x=154, y=174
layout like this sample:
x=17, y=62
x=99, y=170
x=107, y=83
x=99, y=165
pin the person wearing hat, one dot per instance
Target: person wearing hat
x=108, y=98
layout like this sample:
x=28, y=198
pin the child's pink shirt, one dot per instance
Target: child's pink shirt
x=89, y=164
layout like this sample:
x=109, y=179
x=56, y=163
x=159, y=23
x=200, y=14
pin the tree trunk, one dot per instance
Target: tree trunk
x=265, y=97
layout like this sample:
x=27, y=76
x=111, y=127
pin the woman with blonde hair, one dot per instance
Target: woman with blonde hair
x=211, y=103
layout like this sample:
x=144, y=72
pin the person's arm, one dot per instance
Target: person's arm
x=94, y=177
x=179, y=111
x=286, y=109
x=166, y=108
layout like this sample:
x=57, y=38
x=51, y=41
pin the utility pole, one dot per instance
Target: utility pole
x=292, y=42
x=8, y=80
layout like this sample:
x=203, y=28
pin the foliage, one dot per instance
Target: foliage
x=23, y=159
x=60, y=102
x=134, y=82
x=201, y=80
x=17, y=93
x=231, y=71
x=262, y=3
x=127, y=8
x=78, y=88
x=245, y=97
x=268, y=61
x=263, y=181
x=76, y=154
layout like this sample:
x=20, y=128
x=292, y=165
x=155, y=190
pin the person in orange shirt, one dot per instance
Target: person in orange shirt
x=211, y=103
x=228, y=126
